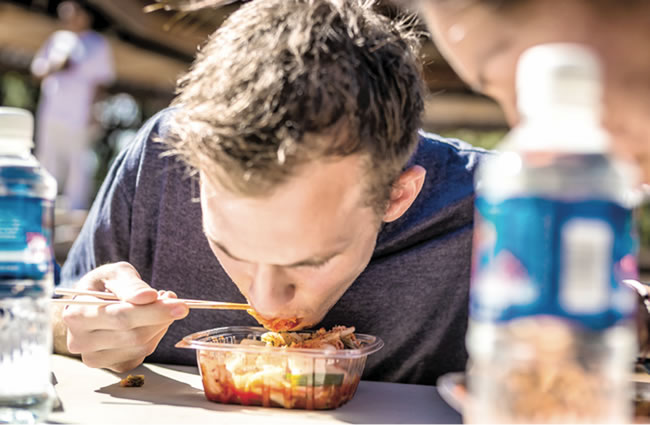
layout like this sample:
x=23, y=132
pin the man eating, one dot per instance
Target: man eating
x=289, y=173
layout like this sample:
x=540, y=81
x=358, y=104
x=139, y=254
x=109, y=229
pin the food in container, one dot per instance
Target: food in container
x=277, y=324
x=238, y=367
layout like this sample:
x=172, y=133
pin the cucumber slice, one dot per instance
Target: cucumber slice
x=315, y=380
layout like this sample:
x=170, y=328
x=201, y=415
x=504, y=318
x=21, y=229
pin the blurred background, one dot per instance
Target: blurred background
x=148, y=47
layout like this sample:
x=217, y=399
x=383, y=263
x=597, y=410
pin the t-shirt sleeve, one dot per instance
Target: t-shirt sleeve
x=104, y=71
x=106, y=233
x=96, y=65
x=40, y=62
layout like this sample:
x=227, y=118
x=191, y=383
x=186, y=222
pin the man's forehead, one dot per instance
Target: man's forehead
x=326, y=176
x=317, y=206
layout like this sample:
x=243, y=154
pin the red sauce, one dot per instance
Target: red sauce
x=277, y=325
x=319, y=397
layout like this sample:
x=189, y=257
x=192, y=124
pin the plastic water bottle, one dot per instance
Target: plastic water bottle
x=27, y=194
x=551, y=336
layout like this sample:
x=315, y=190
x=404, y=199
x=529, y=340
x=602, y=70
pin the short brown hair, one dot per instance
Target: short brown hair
x=283, y=82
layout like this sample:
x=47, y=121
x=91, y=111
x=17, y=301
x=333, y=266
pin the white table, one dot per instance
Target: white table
x=174, y=395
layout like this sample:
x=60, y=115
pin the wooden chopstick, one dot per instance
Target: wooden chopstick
x=70, y=301
x=106, y=295
x=98, y=294
x=202, y=305
x=107, y=298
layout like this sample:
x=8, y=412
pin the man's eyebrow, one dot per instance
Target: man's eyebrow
x=316, y=260
x=225, y=250
x=219, y=244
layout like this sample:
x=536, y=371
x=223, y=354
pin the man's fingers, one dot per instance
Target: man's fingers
x=124, y=281
x=122, y=360
x=117, y=360
x=119, y=336
x=107, y=340
x=127, y=365
x=169, y=294
x=124, y=316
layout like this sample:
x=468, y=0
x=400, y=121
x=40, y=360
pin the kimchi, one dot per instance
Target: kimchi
x=298, y=379
x=276, y=325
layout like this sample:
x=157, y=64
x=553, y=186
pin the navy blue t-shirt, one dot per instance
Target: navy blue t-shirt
x=413, y=294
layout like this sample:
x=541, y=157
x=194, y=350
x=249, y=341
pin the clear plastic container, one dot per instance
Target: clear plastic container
x=236, y=372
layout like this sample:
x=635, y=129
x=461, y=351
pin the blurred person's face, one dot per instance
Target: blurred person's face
x=295, y=252
x=74, y=17
x=483, y=43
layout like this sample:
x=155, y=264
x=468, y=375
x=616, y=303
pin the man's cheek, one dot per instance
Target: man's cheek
x=317, y=292
x=239, y=274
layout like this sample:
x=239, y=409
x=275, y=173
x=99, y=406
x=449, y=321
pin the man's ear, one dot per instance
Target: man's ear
x=405, y=189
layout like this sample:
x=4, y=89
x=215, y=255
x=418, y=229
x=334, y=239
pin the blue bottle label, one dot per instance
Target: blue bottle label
x=25, y=237
x=537, y=256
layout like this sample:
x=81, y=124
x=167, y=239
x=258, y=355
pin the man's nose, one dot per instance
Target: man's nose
x=271, y=291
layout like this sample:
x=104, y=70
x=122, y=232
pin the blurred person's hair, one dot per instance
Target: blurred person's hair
x=285, y=82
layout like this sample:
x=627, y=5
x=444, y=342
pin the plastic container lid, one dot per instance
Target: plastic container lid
x=16, y=131
x=228, y=339
x=559, y=90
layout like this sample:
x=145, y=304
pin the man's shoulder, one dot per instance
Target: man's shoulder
x=432, y=147
x=450, y=166
x=151, y=135
x=147, y=150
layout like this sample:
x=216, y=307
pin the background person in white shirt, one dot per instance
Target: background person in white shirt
x=72, y=64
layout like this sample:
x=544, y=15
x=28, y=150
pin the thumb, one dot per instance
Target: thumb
x=123, y=280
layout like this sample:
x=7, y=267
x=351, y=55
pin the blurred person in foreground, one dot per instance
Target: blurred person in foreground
x=483, y=39
x=73, y=64
x=314, y=196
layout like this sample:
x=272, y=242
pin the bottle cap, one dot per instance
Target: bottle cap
x=559, y=85
x=16, y=131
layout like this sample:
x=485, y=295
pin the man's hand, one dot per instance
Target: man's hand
x=119, y=336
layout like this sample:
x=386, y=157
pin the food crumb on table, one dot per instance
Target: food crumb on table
x=132, y=381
